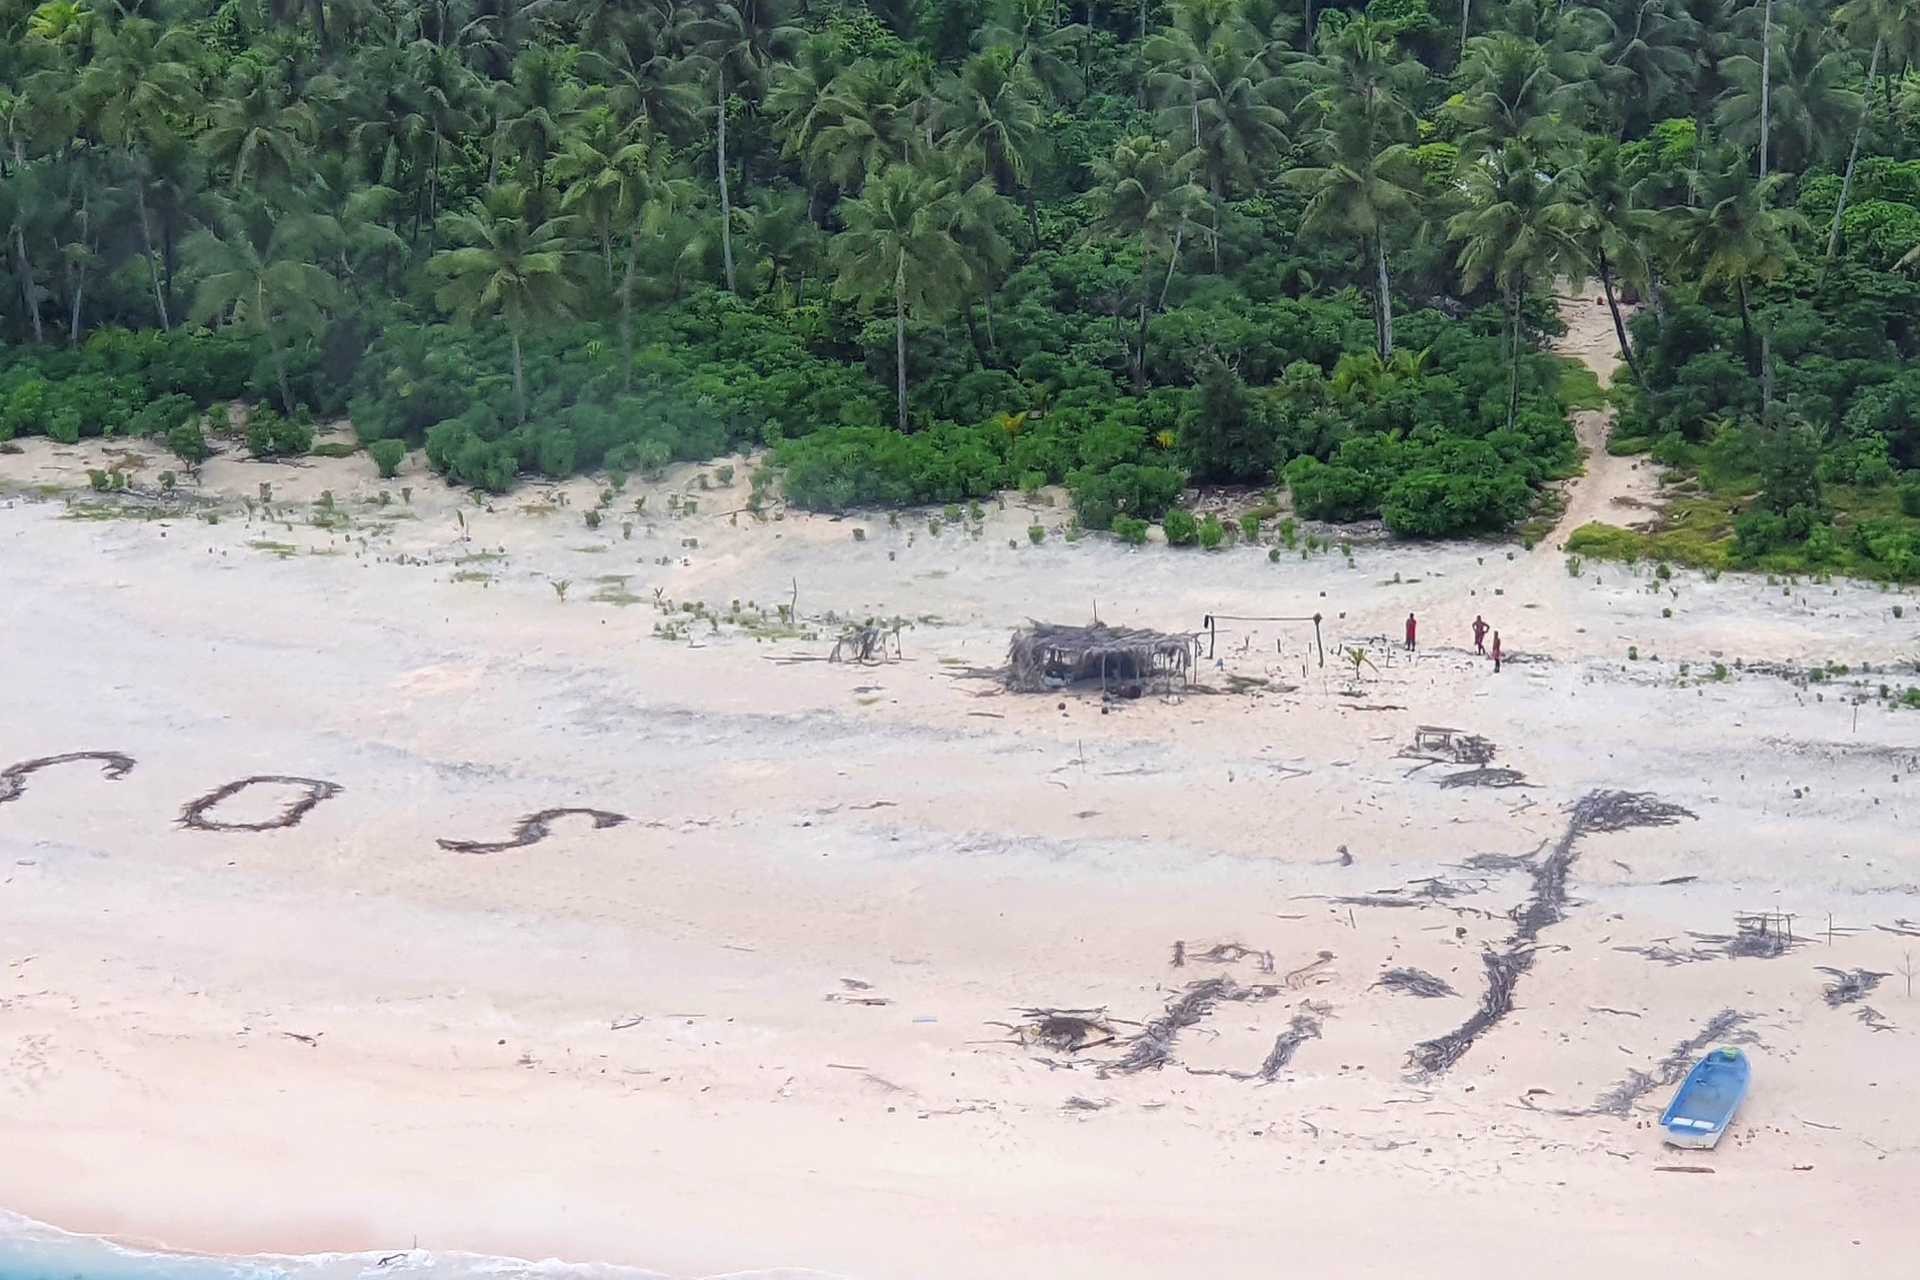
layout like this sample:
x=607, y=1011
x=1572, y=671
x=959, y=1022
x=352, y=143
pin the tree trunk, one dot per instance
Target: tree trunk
x=1853, y=158
x=1766, y=81
x=973, y=336
x=318, y=9
x=987, y=302
x=77, y=279
x=280, y=375
x=1217, y=200
x=626, y=313
x=153, y=265
x=26, y=282
x=1746, y=333
x=519, y=379
x=726, y=200
x=1146, y=293
x=1619, y=325
x=900, y=343
x=1033, y=216
x=1385, y=296
x=1513, y=362
x=1466, y=12
x=1173, y=261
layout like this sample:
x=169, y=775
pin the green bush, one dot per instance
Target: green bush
x=1212, y=533
x=1130, y=531
x=1910, y=496
x=271, y=436
x=1181, y=528
x=387, y=455
x=188, y=443
x=1144, y=492
x=1036, y=534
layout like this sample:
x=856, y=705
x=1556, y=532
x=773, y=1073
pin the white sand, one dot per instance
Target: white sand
x=963, y=852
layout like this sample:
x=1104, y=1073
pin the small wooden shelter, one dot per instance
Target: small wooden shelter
x=1120, y=660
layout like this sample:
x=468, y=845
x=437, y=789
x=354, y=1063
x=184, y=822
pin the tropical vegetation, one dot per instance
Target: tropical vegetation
x=922, y=250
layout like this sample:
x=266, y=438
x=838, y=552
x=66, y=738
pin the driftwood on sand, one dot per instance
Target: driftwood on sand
x=1047, y=656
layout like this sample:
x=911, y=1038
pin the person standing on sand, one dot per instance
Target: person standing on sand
x=1410, y=632
x=1496, y=653
x=1479, y=634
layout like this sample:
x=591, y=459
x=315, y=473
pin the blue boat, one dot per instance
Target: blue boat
x=1703, y=1106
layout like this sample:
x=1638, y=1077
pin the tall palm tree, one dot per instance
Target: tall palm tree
x=990, y=112
x=1800, y=106
x=782, y=231
x=1892, y=28
x=255, y=267
x=28, y=211
x=1735, y=237
x=979, y=218
x=1044, y=52
x=1219, y=97
x=443, y=90
x=1513, y=93
x=537, y=109
x=796, y=90
x=1144, y=192
x=1649, y=57
x=139, y=81
x=1366, y=177
x=507, y=264
x=898, y=245
x=864, y=123
x=259, y=129
x=733, y=44
x=1613, y=233
x=351, y=219
x=1514, y=232
x=644, y=81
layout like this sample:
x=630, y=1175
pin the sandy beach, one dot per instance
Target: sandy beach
x=777, y=1014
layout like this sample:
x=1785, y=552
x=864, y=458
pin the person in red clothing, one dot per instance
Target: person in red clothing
x=1496, y=652
x=1479, y=634
x=1410, y=632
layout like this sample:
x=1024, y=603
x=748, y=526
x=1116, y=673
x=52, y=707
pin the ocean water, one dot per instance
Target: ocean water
x=32, y=1250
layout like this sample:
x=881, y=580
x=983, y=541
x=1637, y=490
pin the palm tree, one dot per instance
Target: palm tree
x=28, y=212
x=1366, y=177
x=989, y=111
x=1219, y=98
x=1613, y=233
x=138, y=82
x=1808, y=102
x=980, y=219
x=442, y=89
x=734, y=43
x=596, y=185
x=782, y=231
x=259, y=129
x=1143, y=192
x=898, y=245
x=1513, y=94
x=537, y=109
x=255, y=267
x=797, y=89
x=507, y=264
x=1892, y=27
x=1515, y=231
x=1647, y=60
x=1044, y=52
x=351, y=218
x=864, y=123
x=1735, y=237
x=645, y=85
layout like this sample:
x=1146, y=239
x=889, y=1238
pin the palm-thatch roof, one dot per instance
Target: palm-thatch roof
x=1047, y=656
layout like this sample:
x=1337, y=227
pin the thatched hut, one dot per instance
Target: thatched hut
x=1121, y=660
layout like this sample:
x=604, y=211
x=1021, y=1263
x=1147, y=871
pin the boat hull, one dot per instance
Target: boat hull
x=1707, y=1100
